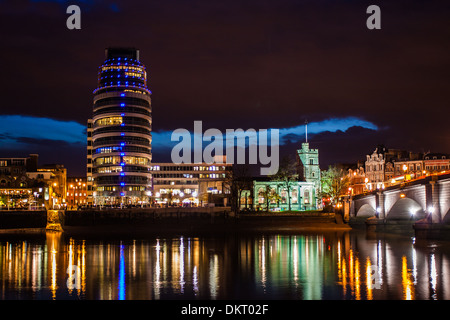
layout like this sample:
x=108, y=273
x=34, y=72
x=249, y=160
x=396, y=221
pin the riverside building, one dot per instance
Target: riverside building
x=25, y=185
x=119, y=133
x=299, y=193
x=198, y=184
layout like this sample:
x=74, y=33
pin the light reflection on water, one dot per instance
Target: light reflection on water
x=347, y=265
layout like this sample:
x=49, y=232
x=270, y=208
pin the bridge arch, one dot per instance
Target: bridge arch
x=361, y=201
x=366, y=211
x=415, y=192
x=406, y=209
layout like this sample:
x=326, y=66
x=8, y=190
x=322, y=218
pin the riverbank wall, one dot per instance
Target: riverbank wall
x=163, y=220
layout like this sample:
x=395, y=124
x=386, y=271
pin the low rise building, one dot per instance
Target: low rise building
x=190, y=184
x=436, y=163
x=282, y=196
x=76, y=192
x=57, y=183
x=296, y=192
x=375, y=166
x=382, y=166
x=407, y=169
x=386, y=167
x=357, y=180
x=24, y=185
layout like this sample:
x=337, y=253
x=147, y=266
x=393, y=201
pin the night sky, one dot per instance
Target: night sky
x=232, y=64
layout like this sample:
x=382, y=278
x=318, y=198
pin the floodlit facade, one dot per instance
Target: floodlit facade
x=76, y=192
x=301, y=193
x=24, y=185
x=281, y=196
x=309, y=171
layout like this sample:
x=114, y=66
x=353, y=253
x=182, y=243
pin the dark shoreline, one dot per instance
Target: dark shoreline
x=223, y=225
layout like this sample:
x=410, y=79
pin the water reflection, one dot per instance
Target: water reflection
x=302, y=266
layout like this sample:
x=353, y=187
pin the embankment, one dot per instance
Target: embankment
x=181, y=220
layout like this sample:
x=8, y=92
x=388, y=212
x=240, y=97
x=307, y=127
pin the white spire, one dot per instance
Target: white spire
x=306, y=130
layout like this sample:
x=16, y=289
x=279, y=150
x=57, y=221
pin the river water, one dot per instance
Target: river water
x=349, y=265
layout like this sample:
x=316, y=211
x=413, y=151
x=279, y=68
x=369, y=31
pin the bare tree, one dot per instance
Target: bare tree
x=236, y=181
x=334, y=183
x=269, y=194
x=286, y=174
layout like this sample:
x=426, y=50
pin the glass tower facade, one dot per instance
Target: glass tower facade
x=119, y=140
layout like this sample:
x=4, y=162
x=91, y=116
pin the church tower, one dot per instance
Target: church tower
x=309, y=169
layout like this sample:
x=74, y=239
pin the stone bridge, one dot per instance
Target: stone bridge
x=415, y=200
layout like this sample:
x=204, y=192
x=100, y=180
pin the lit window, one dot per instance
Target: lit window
x=108, y=121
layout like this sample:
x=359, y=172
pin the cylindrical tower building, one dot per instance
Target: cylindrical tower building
x=121, y=130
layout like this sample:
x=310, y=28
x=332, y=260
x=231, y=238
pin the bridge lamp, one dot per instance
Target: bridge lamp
x=413, y=211
x=378, y=209
x=430, y=209
x=402, y=195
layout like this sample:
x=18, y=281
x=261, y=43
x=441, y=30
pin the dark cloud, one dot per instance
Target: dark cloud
x=43, y=143
x=71, y=155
